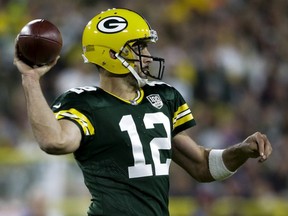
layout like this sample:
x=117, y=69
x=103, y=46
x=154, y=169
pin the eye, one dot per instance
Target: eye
x=142, y=45
x=139, y=45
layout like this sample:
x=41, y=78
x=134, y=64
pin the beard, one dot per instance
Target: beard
x=131, y=80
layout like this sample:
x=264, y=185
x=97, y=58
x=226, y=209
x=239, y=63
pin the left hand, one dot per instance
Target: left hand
x=257, y=145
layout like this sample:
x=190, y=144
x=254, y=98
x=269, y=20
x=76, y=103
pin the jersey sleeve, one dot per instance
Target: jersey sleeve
x=182, y=115
x=71, y=106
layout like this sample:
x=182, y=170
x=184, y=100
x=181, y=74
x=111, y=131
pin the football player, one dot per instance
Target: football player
x=125, y=132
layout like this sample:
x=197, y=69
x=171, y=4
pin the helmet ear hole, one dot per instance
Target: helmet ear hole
x=112, y=54
x=125, y=51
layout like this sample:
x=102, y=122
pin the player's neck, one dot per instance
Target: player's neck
x=119, y=87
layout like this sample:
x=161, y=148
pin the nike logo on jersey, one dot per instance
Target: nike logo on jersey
x=56, y=106
x=155, y=100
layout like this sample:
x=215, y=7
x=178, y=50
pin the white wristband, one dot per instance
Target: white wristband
x=217, y=167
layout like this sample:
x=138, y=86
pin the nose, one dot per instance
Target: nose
x=146, y=59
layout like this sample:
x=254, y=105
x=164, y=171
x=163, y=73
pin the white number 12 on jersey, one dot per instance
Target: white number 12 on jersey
x=140, y=168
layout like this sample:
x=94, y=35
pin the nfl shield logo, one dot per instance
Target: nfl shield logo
x=155, y=100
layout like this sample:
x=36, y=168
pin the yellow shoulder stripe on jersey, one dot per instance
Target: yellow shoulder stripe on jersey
x=182, y=115
x=77, y=116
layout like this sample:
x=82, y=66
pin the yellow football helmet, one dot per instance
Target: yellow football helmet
x=117, y=30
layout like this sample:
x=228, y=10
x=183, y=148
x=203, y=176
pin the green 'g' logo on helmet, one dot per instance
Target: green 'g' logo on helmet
x=112, y=24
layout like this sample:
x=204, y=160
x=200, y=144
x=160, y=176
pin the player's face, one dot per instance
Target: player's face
x=142, y=66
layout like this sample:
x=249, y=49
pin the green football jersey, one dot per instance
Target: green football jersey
x=125, y=151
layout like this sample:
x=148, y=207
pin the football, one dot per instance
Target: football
x=39, y=42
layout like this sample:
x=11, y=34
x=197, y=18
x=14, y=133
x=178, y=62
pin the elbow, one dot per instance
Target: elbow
x=201, y=173
x=59, y=146
x=52, y=148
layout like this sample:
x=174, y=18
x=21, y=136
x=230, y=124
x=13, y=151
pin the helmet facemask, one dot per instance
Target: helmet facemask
x=155, y=69
x=131, y=52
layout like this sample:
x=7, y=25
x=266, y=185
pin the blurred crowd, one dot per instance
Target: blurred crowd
x=227, y=57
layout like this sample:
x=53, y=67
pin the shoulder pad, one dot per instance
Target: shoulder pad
x=153, y=83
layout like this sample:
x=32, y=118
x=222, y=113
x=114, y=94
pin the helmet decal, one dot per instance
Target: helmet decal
x=112, y=24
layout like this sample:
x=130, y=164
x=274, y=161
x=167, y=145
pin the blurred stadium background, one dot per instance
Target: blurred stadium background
x=227, y=57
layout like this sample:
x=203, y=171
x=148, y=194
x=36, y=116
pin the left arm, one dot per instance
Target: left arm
x=192, y=157
x=256, y=145
x=195, y=159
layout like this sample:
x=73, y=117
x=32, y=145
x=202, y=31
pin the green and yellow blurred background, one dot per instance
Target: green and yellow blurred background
x=227, y=57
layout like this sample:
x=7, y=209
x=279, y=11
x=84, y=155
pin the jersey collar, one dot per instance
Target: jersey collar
x=135, y=101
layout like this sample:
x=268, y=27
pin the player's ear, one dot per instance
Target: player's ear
x=112, y=54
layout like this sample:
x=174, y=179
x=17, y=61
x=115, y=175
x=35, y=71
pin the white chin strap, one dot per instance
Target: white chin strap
x=141, y=81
